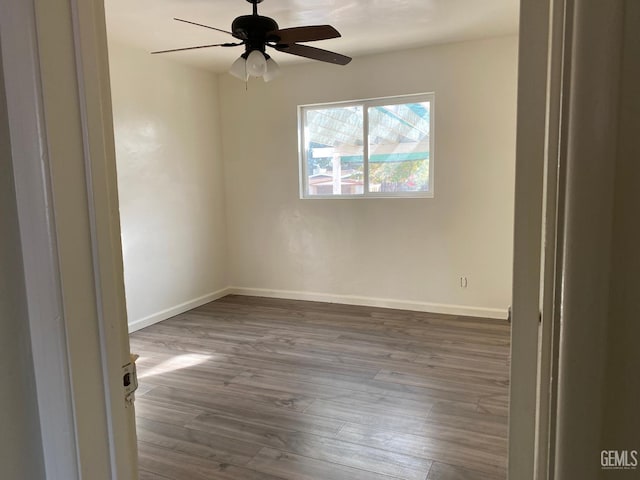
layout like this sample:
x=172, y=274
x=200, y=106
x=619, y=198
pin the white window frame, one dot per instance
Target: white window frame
x=366, y=104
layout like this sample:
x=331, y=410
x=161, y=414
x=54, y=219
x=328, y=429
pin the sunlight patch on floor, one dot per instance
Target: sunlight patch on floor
x=176, y=363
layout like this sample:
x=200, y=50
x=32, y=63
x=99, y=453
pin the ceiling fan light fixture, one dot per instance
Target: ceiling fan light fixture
x=273, y=70
x=256, y=64
x=239, y=69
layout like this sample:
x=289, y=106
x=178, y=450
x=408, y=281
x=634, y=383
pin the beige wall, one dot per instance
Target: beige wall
x=622, y=397
x=407, y=250
x=20, y=442
x=170, y=181
x=599, y=393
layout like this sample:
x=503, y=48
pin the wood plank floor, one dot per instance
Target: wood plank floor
x=252, y=388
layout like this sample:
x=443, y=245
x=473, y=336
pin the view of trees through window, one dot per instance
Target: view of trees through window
x=395, y=161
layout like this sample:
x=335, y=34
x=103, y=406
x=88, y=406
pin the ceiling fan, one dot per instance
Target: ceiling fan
x=257, y=33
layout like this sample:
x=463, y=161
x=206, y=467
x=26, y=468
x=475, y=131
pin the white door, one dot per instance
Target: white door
x=534, y=329
x=529, y=201
x=55, y=62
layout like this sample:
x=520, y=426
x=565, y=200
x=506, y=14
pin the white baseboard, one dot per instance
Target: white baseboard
x=177, y=310
x=497, y=313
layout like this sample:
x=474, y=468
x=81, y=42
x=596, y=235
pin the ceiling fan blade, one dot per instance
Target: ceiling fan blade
x=303, y=34
x=314, y=53
x=199, y=46
x=205, y=26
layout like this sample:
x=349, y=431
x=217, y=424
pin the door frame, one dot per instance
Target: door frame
x=540, y=56
x=579, y=154
x=58, y=99
x=37, y=230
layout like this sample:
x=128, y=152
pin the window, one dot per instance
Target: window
x=396, y=160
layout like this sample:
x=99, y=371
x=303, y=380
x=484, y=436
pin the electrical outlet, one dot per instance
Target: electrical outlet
x=464, y=282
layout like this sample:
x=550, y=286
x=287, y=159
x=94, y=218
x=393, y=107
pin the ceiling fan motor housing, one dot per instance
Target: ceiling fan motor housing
x=254, y=29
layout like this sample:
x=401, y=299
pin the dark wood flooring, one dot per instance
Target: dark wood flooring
x=253, y=388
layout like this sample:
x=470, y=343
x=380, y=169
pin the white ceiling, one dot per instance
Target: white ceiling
x=367, y=26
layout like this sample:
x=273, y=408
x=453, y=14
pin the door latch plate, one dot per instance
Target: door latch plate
x=130, y=380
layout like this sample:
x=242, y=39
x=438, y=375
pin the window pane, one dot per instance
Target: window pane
x=399, y=148
x=334, y=149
